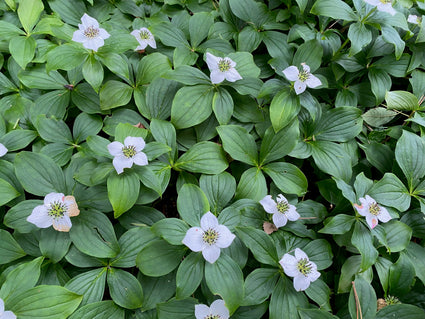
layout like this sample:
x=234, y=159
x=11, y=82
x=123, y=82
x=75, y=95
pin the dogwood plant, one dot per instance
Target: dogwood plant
x=90, y=34
x=217, y=310
x=302, y=79
x=56, y=210
x=145, y=38
x=281, y=209
x=372, y=211
x=221, y=69
x=128, y=153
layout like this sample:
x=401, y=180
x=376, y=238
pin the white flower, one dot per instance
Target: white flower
x=56, y=210
x=145, y=38
x=281, y=210
x=372, y=211
x=217, y=311
x=3, y=150
x=89, y=33
x=302, y=79
x=412, y=18
x=222, y=68
x=382, y=5
x=129, y=153
x=208, y=238
x=301, y=268
x=9, y=314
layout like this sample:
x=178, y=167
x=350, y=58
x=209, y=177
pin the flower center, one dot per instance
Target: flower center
x=303, y=76
x=57, y=210
x=304, y=266
x=282, y=206
x=224, y=65
x=129, y=151
x=91, y=32
x=212, y=317
x=374, y=209
x=144, y=35
x=210, y=237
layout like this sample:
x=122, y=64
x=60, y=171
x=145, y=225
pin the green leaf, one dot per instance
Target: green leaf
x=189, y=275
x=65, y=57
x=225, y=278
x=285, y=297
x=173, y=230
x=113, y=94
x=199, y=25
x=38, y=174
x=416, y=254
x=287, y=177
x=39, y=79
x=402, y=101
x=259, y=285
x=350, y=268
x=319, y=251
x=310, y=53
x=92, y=233
x=260, y=244
x=284, y=109
x=315, y=314
x=188, y=75
x=401, y=277
x=9, y=30
x=49, y=302
x=366, y=298
x=16, y=217
x=245, y=64
x=203, y=157
x=124, y=288
x=90, y=284
x=53, y=244
x=159, y=258
x=363, y=241
x=29, y=12
x=378, y=116
x=116, y=63
x=93, y=72
x=99, y=310
x=336, y=9
x=409, y=311
x=360, y=36
x=339, y=224
x=219, y=189
x=7, y=191
x=252, y=185
x=222, y=106
x=191, y=105
x=22, y=50
x=184, y=56
x=178, y=309
x=390, y=191
x=250, y=11
x=249, y=39
x=398, y=235
x=320, y=293
x=53, y=130
x=152, y=66
x=192, y=204
x=86, y=125
x=169, y=34
x=9, y=249
x=123, y=191
x=390, y=35
x=238, y=143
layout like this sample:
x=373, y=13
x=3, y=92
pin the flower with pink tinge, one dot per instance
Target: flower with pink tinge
x=302, y=79
x=128, y=153
x=221, y=69
x=372, y=211
x=281, y=209
x=3, y=150
x=56, y=210
x=383, y=5
x=89, y=33
x=209, y=238
x=145, y=38
x=217, y=310
x=301, y=268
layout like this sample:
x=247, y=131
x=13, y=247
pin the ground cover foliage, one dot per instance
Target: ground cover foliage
x=268, y=154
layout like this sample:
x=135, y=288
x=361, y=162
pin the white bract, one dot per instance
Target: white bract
x=209, y=238
x=302, y=79
x=412, y=18
x=56, y=210
x=301, y=268
x=372, y=211
x=145, y=38
x=281, y=210
x=217, y=310
x=89, y=33
x=383, y=5
x=222, y=68
x=3, y=150
x=128, y=153
x=8, y=314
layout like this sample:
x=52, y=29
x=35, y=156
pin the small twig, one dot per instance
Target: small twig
x=356, y=298
x=330, y=27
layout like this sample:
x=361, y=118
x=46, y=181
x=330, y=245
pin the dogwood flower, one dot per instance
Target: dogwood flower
x=382, y=5
x=302, y=79
x=129, y=153
x=281, y=210
x=412, y=18
x=56, y=210
x=209, y=238
x=9, y=314
x=145, y=38
x=301, y=268
x=222, y=68
x=372, y=211
x=3, y=150
x=217, y=310
x=89, y=33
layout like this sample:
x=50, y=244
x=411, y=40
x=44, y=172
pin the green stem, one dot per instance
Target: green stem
x=368, y=15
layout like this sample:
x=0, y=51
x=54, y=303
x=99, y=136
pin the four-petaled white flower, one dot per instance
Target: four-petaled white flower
x=302, y=79
x=281, y=210
x=3, y=150
x=382, y=5
x=56, y=210
x=372, y=211
x=208, y=238
x=145, y=38
x=222, y=68
x=217, y=310
x=301, y=268
x=89, y=33
x=129, y=153
x=8, y=314
x=413, y=18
